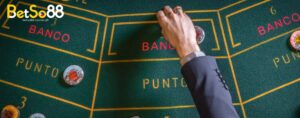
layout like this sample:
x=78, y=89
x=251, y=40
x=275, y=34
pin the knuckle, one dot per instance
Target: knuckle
x=167, y=6
x=159, y=13
x=178, y=6
x=164, y=19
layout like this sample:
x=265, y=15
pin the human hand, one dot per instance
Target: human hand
x=178, y=29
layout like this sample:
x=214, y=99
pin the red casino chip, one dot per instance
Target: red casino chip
x=73, y=75
x=295, y=40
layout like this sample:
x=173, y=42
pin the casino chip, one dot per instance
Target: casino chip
x=10, y=111
x=37, y=115
x=73, y=75
x=295, y=40
x=200, y=34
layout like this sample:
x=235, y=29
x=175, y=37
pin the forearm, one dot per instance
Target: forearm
x=208, y=89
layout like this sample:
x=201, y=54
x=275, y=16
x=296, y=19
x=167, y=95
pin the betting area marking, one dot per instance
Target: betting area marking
x=266, y=30
x=159, y=46
x=4, y=25
x=43, y=94
x=147, y=46
x=233, y=43
x=53, y=34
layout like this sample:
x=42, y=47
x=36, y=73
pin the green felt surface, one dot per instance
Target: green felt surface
x=121, y=80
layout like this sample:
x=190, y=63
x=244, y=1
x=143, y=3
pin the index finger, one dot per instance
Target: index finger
x=162, y=19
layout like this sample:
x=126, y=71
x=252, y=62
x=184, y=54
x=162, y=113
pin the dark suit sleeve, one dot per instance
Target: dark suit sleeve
x=209, y=91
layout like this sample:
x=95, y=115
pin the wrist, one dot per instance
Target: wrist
x=185, y=50
x=190, y=57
